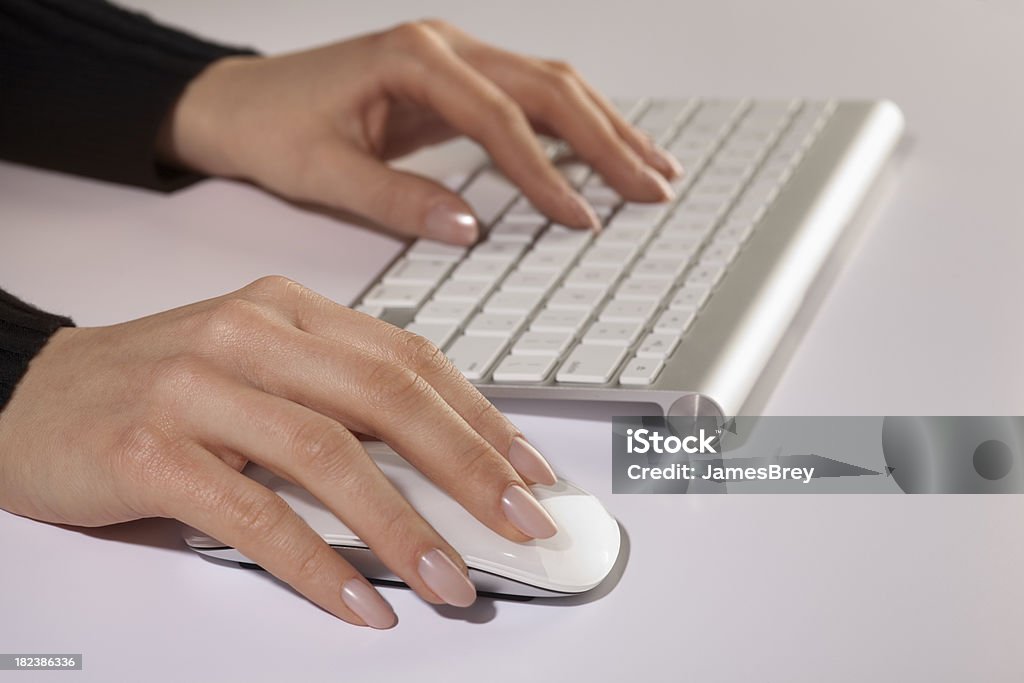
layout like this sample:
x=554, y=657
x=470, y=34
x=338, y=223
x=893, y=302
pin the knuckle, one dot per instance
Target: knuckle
x=256, y=513
x=275, y=286
x=413, y=36
x=322, y=448
x=309, y=562
x=138, y=447
x=478, y=460
x=231, y=319
x=148, y=460
x=178, y=376
x=439, y=25
x=503, y=113
x=562, y=68
x=422, y=354
x=393, y=387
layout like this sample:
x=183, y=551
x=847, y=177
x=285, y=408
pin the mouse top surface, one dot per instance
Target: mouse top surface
x=574, y=560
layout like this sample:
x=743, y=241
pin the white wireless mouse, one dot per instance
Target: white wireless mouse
x=572, y=561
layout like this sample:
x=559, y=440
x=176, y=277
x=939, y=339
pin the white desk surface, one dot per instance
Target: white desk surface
x=921, y=319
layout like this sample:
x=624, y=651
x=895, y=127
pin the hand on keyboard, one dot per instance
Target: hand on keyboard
x=155, y=417
x=318, y=125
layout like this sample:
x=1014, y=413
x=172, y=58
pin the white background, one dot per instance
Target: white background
x=922, y=317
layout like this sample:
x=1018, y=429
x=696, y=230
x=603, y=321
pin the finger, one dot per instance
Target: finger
x=429, y=72
x=324, y=458
x=395, y=404
x=489, y=60
x=207, y=494
x=642, y=144
x=555, y=98
x=318, y=315
x=405, y=202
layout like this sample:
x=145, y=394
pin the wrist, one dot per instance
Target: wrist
x=198, y=132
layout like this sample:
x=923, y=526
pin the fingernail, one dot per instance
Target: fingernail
x=362, y=599
x=529, y=463
x=523, y=510
x=670, y=163
x=659, y=180
x=584, y=213
x=445, y=578
x=446, y=223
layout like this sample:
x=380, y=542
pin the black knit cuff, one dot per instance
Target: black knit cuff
x=86, y=86
x=24, y=330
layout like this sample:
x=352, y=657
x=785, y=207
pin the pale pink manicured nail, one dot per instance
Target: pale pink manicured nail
x=659, y=180
x=362, y=599
x=584, y=212
x=447, y=223
x=529, y=463
x=670, y=162
x=445, y=578
x=523, y=510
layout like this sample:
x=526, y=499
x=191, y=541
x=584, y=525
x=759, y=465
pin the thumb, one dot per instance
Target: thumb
x=403, y=202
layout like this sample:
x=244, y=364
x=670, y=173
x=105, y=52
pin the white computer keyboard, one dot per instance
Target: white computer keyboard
x=535, y=304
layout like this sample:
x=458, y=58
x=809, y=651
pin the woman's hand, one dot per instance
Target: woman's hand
x=318, y=125
x=157, y=417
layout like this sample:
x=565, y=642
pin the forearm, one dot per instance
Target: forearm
x=86, y=87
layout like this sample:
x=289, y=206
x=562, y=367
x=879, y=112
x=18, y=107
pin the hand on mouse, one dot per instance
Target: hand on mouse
x=156, y=417
x=318, y=125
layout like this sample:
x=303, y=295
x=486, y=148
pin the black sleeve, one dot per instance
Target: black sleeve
x=24, y=330
x=85, y=87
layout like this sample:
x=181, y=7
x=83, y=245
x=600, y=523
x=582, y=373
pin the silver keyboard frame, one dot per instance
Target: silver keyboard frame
x=724, y=352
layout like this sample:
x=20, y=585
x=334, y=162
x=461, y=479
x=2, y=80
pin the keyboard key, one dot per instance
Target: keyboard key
x=537, y=282
x=545, y=260
x=412, y=272
x=672, y=247
x=511, y=302
x=473, y=356
x=640, y=214
x=489, y=193
x=521, y=232
x=479, y=271
x=619, y=311
x=591, y=364
x=542, y=343
x=638, y=289
x=561, y=238
x=395, y=296
x=706, y=274
x=619, y=235
x=691, y=296
x=495, y=324
x=465, y=290
x=553, y=320
x=617, y=255
x=674, y=321
x=734, y=231
x=439, y=333
x=657, y=345
x=438, y=311
x=719, y=253
x=496, y=251
x=614, y=334
x=641, y=371
x=575, y=298
x=524, y=368
x=592, y=277
x=523, y=210
x=430, y=250
x=659, y=269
